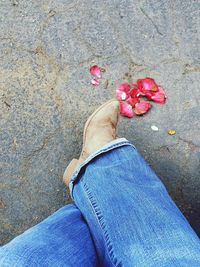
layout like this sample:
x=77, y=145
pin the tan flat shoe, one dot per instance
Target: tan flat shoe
x=99, y=130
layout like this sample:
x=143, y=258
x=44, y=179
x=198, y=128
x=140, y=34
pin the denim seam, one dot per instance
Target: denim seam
x=102, y=225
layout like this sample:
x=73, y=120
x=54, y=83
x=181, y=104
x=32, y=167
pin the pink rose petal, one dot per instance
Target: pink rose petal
x=122, y=91
x=133, y=101
x=161, y=90
x=124, y=87
x=158, y=97
x=95, y=71
x=95, y=82
x=120, y=95
x=142, y=107
x=135, y=92
x=147, y=84
x=126, y=109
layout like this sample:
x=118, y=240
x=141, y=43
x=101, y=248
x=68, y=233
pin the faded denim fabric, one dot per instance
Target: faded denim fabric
x=123, y=217
x=63, y=239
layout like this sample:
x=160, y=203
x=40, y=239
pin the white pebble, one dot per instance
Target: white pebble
x=154, y=128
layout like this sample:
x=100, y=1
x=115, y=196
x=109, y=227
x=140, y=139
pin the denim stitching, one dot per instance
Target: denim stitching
x=102, y=224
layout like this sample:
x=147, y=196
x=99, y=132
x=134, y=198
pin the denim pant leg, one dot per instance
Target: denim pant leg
x=133, y=220
x=63, y=239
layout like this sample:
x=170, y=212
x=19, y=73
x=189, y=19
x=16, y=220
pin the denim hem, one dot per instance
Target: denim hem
x=110, y=146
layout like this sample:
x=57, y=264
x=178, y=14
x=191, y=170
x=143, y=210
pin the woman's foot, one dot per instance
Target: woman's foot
x=99, y=130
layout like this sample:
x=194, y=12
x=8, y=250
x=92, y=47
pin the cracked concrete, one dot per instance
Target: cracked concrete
x=45, y=95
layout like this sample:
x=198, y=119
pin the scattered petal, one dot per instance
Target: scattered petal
x=122, y=91
x=158, y=97
x=95, y=82
x=129, y=98
x=126, y=109
x=135, y=92
x=142, y=107
x=95, y=71
x=120, y=95
x=171, y=132
x=148, y=94
x=147, y=84
x=125, y=87
x=154, y=128
x=161, y=90
x=133, y=100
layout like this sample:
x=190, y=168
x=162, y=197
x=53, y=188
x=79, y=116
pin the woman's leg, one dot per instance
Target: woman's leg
x=63, y=239
x=133, y=220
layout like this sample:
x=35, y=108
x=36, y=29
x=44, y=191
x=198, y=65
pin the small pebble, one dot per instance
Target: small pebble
x=154, y=128
x=171, y=132
x=103, y=70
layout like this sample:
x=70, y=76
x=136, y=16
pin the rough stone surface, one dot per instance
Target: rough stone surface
x=46, y=48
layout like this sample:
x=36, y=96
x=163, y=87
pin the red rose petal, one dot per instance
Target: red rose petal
x=126, y=109
x=158, y=97
x=135, y=92
x=132, y=101
x=122, y=91
x=124, y=87
x=130, y=104
x=95, y=82
x=161, y=90
x=142, y=107
x=120, y=95
x=147, y=84
x=95, y=71
x=149, y=94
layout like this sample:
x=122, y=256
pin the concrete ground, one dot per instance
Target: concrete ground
x=46, y=48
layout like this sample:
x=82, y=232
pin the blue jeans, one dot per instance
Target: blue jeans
x=122, y=216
